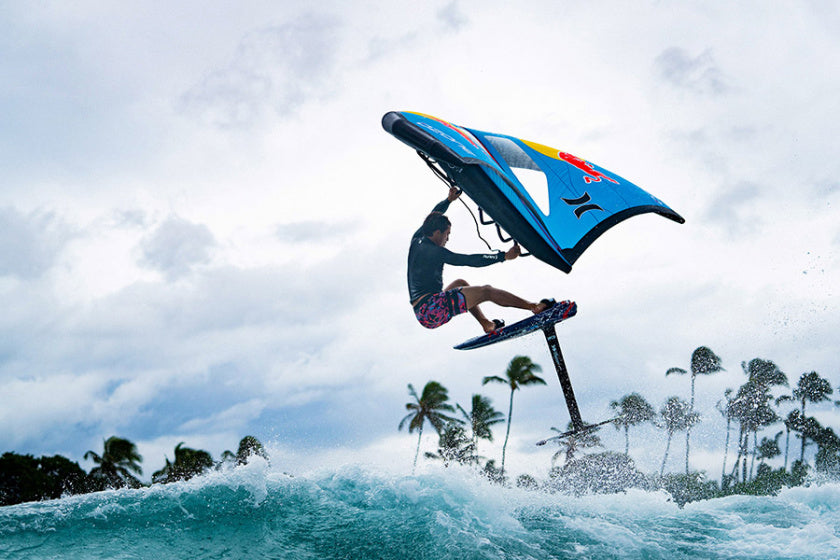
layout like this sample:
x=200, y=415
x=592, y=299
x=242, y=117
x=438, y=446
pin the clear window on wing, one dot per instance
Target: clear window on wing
x=526, y=170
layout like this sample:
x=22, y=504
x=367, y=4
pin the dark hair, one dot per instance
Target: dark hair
x=435, y=221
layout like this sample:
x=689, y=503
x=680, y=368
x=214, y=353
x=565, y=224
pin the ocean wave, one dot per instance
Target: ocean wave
x=356, y=512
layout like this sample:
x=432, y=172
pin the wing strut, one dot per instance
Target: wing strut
x=439, y=173
x=489, y=222
x=444, y=176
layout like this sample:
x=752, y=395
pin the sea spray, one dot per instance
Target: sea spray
x=356, y=512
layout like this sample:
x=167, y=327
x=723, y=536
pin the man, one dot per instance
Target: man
x=433, y=305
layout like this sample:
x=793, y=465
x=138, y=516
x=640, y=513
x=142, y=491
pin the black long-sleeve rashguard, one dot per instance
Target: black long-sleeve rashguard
x=426, y=260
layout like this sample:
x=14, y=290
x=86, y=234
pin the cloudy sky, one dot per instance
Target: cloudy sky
x=205, y=226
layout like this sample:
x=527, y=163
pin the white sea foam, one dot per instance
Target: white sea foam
x=446, y=513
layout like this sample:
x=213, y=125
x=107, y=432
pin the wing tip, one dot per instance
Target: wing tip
x=389, y=119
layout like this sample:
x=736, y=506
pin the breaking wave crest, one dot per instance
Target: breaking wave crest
x=354, y=512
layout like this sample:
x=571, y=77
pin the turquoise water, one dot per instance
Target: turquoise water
x=253, y=512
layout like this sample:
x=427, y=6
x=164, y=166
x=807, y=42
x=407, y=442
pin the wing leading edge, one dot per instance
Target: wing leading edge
x=553, y=203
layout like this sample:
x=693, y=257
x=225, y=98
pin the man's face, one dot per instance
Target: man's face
x=440, y=237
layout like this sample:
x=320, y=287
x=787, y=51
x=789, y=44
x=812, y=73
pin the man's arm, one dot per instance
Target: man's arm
x=480, y=259
x=476, y=260
x=441, y=207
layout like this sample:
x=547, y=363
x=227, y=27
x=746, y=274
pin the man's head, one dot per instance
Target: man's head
x=436, y=227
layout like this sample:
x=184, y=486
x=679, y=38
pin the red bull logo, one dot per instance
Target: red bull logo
x=591, y=175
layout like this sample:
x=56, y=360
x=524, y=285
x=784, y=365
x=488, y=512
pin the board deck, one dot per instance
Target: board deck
x=560, y=311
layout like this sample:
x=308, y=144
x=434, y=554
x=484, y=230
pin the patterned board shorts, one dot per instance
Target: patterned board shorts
x=437, y=309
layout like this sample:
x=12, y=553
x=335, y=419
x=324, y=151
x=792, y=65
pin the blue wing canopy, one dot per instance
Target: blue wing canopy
x=553, y=203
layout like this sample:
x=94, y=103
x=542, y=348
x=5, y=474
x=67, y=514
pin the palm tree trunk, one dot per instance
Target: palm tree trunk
x=734, y=474
x=665, y=459
x=787, y=445
x=507, y=432
x=417, y=452
x=688, y=430
x=746, y=445
x=754, y=451
x=742, y=453
x=802, y=453
x=687, y=444
x=725, y=452
x=738, y=457
x=627, y=439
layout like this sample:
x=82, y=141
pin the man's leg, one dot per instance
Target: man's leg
x=475, y=310
x=476, y=295
x=479, y=294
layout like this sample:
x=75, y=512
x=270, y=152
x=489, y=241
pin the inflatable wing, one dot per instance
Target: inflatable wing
x=553, y=203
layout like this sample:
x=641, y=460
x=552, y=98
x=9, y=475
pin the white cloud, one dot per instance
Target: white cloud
x=737, y=208
x=176, y=246
x=314, y=231
x=275, y=68
x=452, y=16
x=30, y=243
x=699, y=74
x=235, y=418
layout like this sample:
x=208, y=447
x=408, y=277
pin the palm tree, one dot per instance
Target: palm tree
x=248, y=447
x=188, y=463
x=481, y=418
x=810, y=388
x=519, y=373
x=454, y=445
x=791, y=424
x=676, y=416
x=632, y=410
x=703, y=362
x=751, y=407
x=570, y=444
x=809, y=428
x=769, y=448
x=115, y=466
x=429, y=407
x=827, y=459
x=764, y=372
x=763, y=375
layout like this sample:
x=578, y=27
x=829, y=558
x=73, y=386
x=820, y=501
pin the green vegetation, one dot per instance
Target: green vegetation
x=24, y=478
x=428, y=408
x=116, y=464
x=675, y=416
x=482, y=418
x=757, y=415
x=571, y=444
x=632, y=410
x=753, y=408
x=188, y=463
x=703, y=362
x=519, y=373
